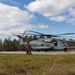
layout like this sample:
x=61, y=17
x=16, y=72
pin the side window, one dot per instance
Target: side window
x=46, y=44
x=55, y=43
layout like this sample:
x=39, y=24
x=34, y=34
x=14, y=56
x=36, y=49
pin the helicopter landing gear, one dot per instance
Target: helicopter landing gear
x=46, y=50
x=38, y=50
x=65, y=49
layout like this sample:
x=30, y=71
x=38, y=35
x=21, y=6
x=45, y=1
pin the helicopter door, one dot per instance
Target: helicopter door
x=55, y=43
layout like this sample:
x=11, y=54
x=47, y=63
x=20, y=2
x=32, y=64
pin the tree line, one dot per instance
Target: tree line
x=14, y=45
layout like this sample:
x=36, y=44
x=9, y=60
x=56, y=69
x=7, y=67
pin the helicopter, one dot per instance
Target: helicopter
x=48, y=42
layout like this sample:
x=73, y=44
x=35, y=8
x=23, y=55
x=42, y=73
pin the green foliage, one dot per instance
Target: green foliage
x=30, y=38
x=34, y=37
x=25, y=38
x=71, y=43
x=9, y=45
x=41, y=36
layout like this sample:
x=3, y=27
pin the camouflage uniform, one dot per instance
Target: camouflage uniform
x=28, y=48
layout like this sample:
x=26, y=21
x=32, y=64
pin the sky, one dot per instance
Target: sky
x=45, y=16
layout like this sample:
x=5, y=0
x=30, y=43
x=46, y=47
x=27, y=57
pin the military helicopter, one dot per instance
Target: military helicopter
x=48, y=42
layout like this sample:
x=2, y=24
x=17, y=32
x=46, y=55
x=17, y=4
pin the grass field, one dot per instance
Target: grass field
x=37, y=64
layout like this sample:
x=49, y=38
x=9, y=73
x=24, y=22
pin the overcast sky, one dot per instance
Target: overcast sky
x=46, y=16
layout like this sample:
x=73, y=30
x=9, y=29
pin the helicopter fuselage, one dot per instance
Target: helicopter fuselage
x=48, y=44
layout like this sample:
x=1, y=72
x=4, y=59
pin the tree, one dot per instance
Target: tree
x=25, y=38
x=34, y=37
x=14, y=45
x=41, y=36
x=1, y=45
x=71, y=42
x=30, y=38
x=6, y=44
x=9, y=45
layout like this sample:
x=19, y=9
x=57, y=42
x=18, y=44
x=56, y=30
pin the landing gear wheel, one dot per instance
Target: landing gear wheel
x=65, y=49
x=46, y=50
x=38, y=50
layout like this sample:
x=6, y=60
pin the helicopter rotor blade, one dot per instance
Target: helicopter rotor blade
x=35, y=32
x=24, y=33
x=48, y=35
x=66, y=34
x=19, y=36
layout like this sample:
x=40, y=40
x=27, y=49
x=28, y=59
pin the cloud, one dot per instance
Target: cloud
x=11, y=1
x=58, y=18
x=54, y=10
x=43, y=26
x=14, y=19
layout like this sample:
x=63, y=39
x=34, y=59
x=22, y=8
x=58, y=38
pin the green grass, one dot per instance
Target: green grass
x=37, y=64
